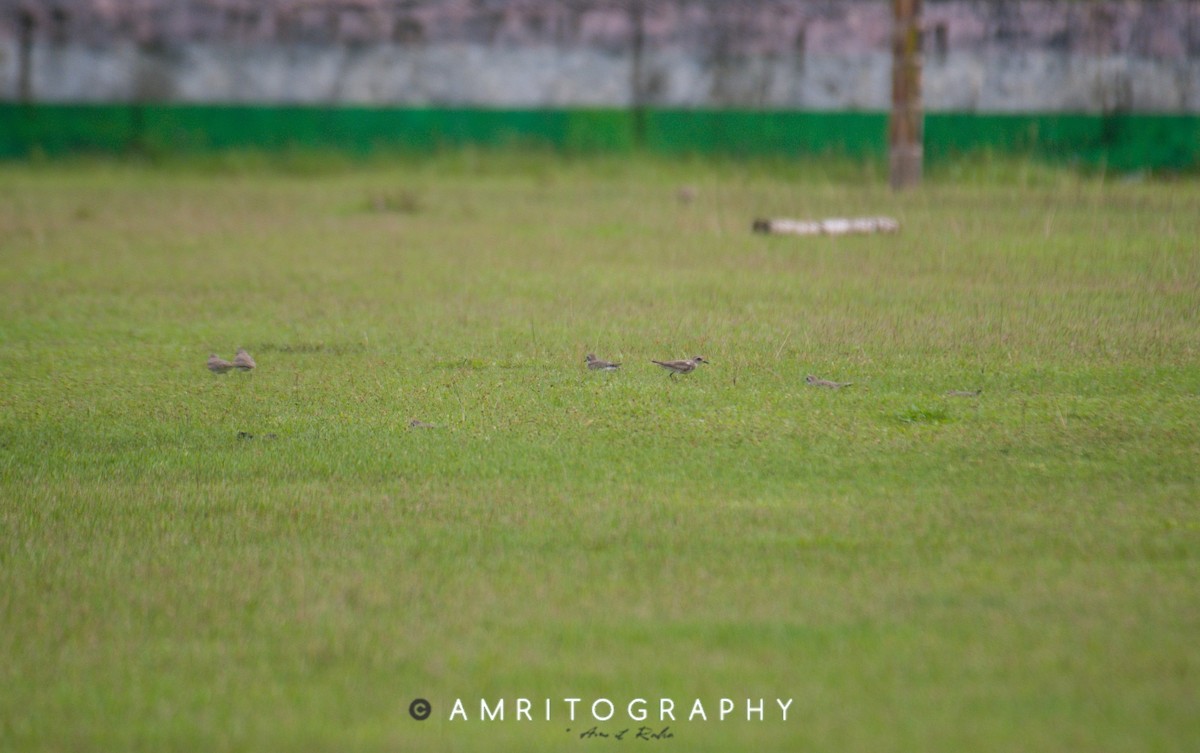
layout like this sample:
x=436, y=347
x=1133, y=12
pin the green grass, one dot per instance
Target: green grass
x=918, y=572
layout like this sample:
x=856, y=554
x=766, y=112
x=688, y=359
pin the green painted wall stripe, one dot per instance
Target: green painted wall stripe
x=1127, y=141
x=1123, y=141
x=765, y=133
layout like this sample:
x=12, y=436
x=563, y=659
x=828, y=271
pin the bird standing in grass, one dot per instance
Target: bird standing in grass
x=685, y=366
x=815, y=382
x=218, y=365
x=595, y=364
x=243, y=361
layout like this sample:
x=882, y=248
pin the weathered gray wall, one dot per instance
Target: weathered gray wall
x=998, y=56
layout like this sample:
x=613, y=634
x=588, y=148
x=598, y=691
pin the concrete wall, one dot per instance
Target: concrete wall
x=998, y=56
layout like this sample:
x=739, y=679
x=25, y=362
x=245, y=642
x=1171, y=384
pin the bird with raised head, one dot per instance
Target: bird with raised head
x=243, y=361
x=685, y=366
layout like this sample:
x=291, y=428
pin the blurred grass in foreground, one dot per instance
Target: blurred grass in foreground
x=918, y=572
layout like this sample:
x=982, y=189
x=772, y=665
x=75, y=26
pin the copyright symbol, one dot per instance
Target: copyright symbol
x=420, y=709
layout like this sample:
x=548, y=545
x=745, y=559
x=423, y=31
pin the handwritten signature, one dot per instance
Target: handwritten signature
x=629, y=733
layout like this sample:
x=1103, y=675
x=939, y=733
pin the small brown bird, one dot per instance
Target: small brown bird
x=964, y=393
x=218, y=365
x=595, y=364
x=243, y=361
x=685, y=366
x=417, y=423
x=815, y=382
x=687, y=194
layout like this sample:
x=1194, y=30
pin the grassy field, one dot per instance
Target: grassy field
x=917, y=572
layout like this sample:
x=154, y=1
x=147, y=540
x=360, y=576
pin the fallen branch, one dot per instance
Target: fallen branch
x=835, y=226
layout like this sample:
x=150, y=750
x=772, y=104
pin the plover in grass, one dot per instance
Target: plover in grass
x=685, y=366
x=816, y=382
x=595, y=364
x=243, y=361
x=218, y=365
x=964, y=393
x=417, y=423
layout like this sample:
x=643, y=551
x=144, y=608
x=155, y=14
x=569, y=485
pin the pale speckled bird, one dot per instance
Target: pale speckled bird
x=816, y=382
x=218, y=365
x=686, y=366
x=964, y=393
x=596, y=364
x=243, y=361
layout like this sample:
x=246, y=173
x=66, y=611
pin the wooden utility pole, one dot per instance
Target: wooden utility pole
x=637, y=94
x=906, y=128
x=25, y=24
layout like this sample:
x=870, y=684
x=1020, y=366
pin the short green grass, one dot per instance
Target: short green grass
x=918, y=572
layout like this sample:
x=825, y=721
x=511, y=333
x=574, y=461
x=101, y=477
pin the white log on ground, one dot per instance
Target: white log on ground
x=832, y=226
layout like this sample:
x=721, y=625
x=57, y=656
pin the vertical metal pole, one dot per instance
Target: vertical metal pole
x=906, y=128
